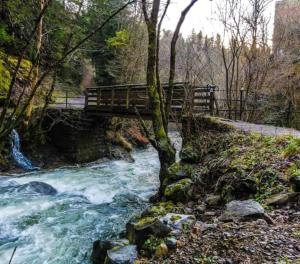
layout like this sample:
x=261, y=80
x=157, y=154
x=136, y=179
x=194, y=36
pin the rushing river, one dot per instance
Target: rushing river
x=92, y=202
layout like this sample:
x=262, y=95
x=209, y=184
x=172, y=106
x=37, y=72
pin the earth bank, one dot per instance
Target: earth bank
x=233, y=198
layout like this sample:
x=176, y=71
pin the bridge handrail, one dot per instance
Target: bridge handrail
x=126, y=86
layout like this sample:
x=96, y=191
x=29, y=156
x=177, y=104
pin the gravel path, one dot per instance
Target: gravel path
x=262, y=129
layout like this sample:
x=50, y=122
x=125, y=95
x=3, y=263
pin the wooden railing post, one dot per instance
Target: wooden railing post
x=66, y=99
x=127, y=98
x=86, y=98
x=192, y=98
x=211, y=99
x=98, y=97
x=147, y=99
x=112, y=98
x=241, y=102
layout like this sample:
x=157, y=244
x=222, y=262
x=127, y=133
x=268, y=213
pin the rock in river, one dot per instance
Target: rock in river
x=37, y=187
x=241, y=210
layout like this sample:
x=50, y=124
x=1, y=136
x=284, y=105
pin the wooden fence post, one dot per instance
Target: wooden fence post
x=127, y=98
x=112, y=98
x=98, y=97
x=211, y=99
x=241, y=102
x=289, y=114
x=86, y=99
x=66, y=99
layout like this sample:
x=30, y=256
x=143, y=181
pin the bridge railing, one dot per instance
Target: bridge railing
x=125, y=99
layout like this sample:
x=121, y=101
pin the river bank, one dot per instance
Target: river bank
x=233, y=198
x=118, y=143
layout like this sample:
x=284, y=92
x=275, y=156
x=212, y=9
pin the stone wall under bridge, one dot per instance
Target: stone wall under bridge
x=78, y=136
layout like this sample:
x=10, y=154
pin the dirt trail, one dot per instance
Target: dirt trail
x=262, y=129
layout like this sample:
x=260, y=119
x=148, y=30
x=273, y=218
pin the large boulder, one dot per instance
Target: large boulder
x=37, y=187
x=122, y=255
x=100, y=249
x=242, y=210
x=180, y=191
x=158, y=245
x=138, y=230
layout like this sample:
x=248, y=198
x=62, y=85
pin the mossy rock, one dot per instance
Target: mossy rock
x=159, y=209
x=180, y=191
x=179, y=171
x=122, y=255
x=100, y=249
x=139, y=229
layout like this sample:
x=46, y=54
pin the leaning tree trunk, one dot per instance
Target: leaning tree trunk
x=162, y=142
x=36, y=70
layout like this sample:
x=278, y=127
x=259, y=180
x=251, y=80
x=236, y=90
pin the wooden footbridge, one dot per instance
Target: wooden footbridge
x=125, y=100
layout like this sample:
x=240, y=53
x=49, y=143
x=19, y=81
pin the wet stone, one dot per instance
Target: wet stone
x=37, y=187
x=100, y=248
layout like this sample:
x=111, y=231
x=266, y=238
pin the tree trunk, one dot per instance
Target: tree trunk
x=163, y=145
x=36, y=70
x=173, y=58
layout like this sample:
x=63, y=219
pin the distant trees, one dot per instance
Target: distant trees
x=286, y=68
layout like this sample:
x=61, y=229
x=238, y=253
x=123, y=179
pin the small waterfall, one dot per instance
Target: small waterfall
x=17, y=155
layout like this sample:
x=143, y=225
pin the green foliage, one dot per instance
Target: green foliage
x=120, y=40
x=5, y=37
x=7, y=63
x=4, y=79
x=150, y=246
x=247, y=165
x=293, y=170
x=292, y=148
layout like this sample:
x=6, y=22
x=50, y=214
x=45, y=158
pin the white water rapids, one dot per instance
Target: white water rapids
x=91, y=203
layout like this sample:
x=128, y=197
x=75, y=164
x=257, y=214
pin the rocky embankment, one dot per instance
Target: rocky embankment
x=233, y=198
x=119, y=140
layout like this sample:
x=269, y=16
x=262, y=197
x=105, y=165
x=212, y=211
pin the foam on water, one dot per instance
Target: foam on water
x=92, y=203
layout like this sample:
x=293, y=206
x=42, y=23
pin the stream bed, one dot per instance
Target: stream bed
x=92, y=202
